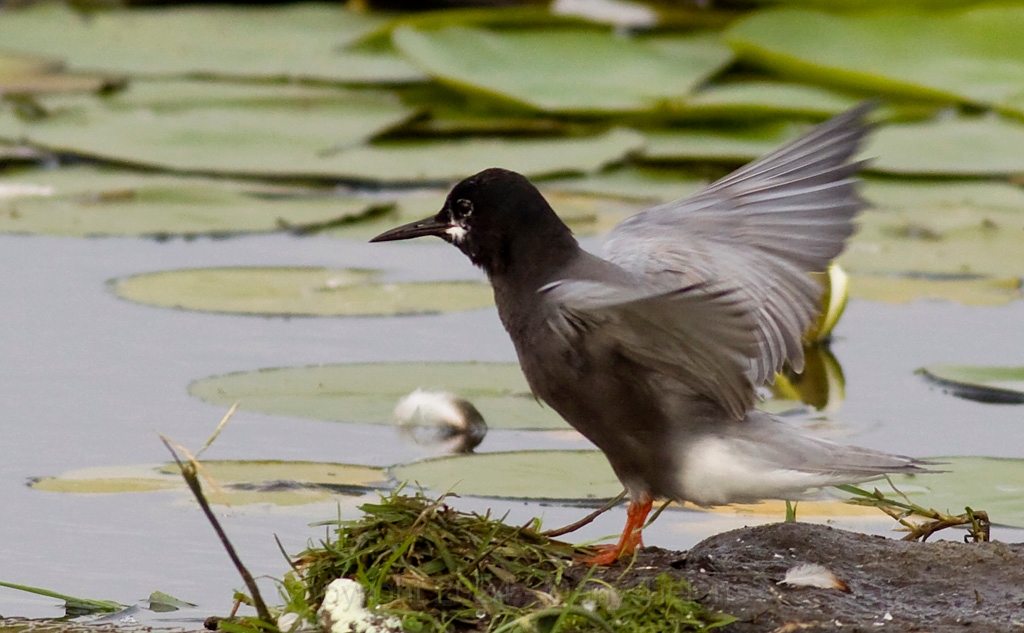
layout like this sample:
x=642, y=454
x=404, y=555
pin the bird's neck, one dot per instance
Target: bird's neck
x=533, y=260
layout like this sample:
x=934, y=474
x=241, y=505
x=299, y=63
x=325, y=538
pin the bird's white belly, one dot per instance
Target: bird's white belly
x=716, y=472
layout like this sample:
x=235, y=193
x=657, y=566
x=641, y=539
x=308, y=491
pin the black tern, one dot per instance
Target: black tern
x=655, y=352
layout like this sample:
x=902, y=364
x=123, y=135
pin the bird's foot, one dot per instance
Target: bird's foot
x=631, y=539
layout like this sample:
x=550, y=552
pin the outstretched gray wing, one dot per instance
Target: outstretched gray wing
x=702, y=335
x=761, y=229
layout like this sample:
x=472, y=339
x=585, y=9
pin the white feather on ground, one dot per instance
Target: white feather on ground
x=813, y=575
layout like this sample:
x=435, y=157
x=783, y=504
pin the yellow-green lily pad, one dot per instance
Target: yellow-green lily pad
x=366, y=393
x=996, y=385
x=86, y=201
x=755, y=99
x=300, y=291
x=735, y=145
x=280, y=137
x=547, y=475
x=234, y=482
x=970, y=54
x=297, y=41
x=982, y=483
x=968, y=146
x=950, y=228
x=566, y=70
x=966, y=290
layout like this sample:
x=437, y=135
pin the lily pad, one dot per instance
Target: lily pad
x=982, y=483
x=85, y=201
x=549, y=475
x=279, y=137
x=972, y=290
x=566, y=70
x=975, y=146
x=973, y=54
x=366, y=393
x=732, y=145
x=298, y=41
x=34, y=75
x=631, y=184
x=298, y=292
x=755, y=99
x=239, y=482
x=951, y=228
x=451, y=160
x=995, y=385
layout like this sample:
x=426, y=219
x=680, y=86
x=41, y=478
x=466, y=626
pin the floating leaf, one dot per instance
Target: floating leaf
x=270, y=137
x=977, y=146
x=73, y=606
x=85, y=201
x=733, y=145
x=996, y=385
x=950, y=228
x=366, y=393
x=549, y=475
x=972, y=54
x=33, y=75
x=755, y=99
x=303, y=40
x=160, y=602
x=298, y=292
x=566, y=70
x=966, y=290
x=981, y=483
x=644, y=184
x=239, y=482
x=452, y=160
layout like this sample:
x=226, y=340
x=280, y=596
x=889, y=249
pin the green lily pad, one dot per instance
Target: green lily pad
x=755, y=99
x=982, y=483
x=733, y=145
x=997, y=385
x=240, y=482
x=298, y=292
x=966, y=290
x=566, y=70
x=977, y=146
x=295, y=41
x=950, y=228
x=279, y=137
x=453, y=160
x=366, y=393
x=85, y=201
x=549, y=475
x=33, y=75
x=631, y=183
x=973, y=55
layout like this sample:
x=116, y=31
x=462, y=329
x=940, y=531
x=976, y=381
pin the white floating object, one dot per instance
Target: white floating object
x=436, y=417
x=344, y=611
x=813, y=575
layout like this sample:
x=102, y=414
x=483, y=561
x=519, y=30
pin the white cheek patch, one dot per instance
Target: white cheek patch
x=457, y=232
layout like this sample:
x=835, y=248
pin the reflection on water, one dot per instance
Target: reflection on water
x=89, y=380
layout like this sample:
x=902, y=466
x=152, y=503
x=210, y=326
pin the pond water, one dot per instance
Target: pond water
x=89, y=380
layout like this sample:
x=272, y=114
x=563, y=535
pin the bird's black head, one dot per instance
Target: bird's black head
x=497, y=218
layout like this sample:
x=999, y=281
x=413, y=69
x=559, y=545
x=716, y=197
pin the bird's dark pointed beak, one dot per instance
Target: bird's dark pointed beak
x=419, y=228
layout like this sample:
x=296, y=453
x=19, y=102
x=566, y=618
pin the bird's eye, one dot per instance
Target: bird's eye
x=463, y=208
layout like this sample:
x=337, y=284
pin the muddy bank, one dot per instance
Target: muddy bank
x=893, y=585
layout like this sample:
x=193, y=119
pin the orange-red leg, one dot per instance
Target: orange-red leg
x=636, y=516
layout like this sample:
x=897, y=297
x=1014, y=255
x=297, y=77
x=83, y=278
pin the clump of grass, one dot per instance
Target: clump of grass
x=440, y=569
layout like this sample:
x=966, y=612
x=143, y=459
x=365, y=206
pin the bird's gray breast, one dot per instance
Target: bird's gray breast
x=599, y=391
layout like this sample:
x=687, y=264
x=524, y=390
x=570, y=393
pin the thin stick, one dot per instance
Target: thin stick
x=220, y=427
x=572, y=527
x=189, y=474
